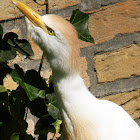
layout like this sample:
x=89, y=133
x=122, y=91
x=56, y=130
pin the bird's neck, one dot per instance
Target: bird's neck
x=73, y=99
x=70, y=89
x=65, y=83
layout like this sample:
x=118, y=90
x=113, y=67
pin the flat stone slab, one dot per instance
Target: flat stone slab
x=119, y=64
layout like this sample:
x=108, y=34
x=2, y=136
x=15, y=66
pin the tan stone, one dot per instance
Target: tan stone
x=84, y=44
x=36, y=49
x=46, y=75
x=9, y=11
x=8, y=83
x=119, y=18
x=84, y=74
x=52, y=136
x=118, y=64
x=130, y=101
x=61, y=4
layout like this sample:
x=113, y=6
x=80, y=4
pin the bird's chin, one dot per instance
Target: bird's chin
x=32, y=31
x=30, y=26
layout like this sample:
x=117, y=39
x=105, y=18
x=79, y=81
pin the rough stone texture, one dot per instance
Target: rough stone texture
x=117, y=86
x=84, y=71
x=96, y=4
x=119, y=18
x=119, y=64
x=119, y=41
x=61, y=4
x=138, y=121
x=9, y=11
x=31, y=121
x=52, y=136
x=37, y=51
x=8, y=83
x=106, y=22
x=130, y=101
x=18, y=26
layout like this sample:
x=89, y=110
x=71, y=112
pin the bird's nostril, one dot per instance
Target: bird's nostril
x=35, y=15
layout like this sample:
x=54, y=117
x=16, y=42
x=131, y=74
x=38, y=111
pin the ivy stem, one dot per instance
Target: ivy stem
x=40, y=67
x=41, y=4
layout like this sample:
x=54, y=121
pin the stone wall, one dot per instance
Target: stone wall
x=111, y=66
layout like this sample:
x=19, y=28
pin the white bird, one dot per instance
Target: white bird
x=84, y=116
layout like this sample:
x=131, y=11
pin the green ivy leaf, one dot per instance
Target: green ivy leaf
x=44, y=125
x=0, y=123
x=30, y=82
x=15, y=136
x=2, y=89
x=1, y=30
x=80, y=21
x=57, y=124
x=21, y=136
x=37, y=107
x=23, y=47
x=53, y=110
x=51, y=98
x=52, y=106
x=16, y=104
x=3, y=101
x=10, y=44
x=6, y=55
x=32, y=92
x=33, y=78
x=6, y=51
x=11, y=126
x=10, y=35
x=20, y=45
x=17, y=75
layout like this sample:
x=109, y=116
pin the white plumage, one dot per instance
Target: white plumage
x=84, y=116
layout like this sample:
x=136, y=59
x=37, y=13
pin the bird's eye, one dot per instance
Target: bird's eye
x=51, y=32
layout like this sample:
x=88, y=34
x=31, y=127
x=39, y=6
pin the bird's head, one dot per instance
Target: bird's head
x=56, y=37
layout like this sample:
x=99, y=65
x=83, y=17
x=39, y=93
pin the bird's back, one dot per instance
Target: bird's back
x=116, y=124
x=106, y=121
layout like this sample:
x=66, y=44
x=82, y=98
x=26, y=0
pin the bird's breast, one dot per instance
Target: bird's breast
x=75, y=127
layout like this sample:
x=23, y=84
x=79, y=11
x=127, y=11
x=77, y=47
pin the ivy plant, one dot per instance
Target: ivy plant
x=80, y=21
x=10, y=44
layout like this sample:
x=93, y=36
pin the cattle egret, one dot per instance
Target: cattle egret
x=84, y=116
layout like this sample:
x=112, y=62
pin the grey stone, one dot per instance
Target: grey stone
x=118, y=86
x=108, y=2
x=96, y=4
x=8, y=26
x=119, y=41
x=90, y=5
x=138, y=121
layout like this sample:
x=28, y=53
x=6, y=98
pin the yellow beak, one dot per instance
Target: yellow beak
x=35, y=18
